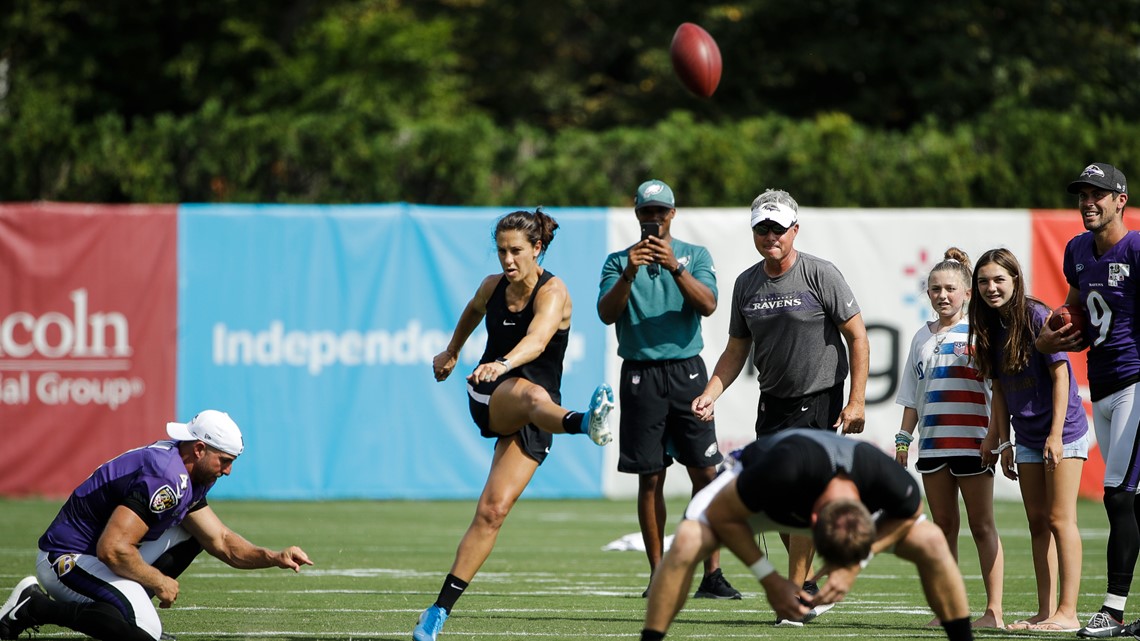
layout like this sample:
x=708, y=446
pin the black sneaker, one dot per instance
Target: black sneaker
x=166, y=636
x=1102, y=626
x=715, y=586
x=14, y=618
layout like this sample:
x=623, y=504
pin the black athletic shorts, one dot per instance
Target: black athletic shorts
x=820, y=410
x=535, y=442
x=657, y=422
x=959, y=465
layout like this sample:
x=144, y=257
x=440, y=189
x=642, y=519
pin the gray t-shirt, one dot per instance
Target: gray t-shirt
x=793, y=321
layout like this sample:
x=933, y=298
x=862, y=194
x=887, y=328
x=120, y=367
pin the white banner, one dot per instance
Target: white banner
x=885, y=255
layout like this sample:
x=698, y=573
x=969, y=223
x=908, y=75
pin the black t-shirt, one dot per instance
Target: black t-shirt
x=785, y=474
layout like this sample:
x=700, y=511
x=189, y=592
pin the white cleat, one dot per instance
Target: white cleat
x=598, y=417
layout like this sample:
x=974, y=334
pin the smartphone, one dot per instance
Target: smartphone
x=650, y=229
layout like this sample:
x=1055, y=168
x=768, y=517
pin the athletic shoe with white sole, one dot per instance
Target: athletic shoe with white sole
x=14, y=617
x=816, y=611
x=1101, y=626
x=598, y=417
x=430, y=625
x=715, y=586
x=812, y=589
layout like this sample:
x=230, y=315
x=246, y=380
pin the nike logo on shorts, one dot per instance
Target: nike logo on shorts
x=692, y=376
x=805, y=408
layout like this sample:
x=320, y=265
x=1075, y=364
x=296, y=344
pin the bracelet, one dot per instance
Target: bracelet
x=762, y=568
x=628, y=280
x=903, y=440
x=1001, y=448
x=864, y=562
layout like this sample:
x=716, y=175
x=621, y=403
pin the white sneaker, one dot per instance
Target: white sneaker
x=788, y=623
x=816, y=611
x=598, y=417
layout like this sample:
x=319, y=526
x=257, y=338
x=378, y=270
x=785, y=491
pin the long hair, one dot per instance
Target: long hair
x=844, y=532
x=992, y=360
x=535, y=225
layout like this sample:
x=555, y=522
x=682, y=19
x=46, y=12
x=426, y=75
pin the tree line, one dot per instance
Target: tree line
x=482, y=102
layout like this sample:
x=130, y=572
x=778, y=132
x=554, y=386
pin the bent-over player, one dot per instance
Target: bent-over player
x=801, y=481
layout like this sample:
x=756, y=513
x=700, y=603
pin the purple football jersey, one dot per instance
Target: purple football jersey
x=150, y=480
x=1108, y=293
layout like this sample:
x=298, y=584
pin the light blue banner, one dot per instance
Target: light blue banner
x=315, y=326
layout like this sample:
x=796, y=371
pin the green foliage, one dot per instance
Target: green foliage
x=484, y=102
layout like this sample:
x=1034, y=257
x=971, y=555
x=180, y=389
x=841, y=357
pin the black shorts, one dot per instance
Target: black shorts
x=657, y=422
x=535, y=442
x=820, y=410
x=959, y=465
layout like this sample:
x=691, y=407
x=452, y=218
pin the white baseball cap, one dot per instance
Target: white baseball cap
x=778, y=213
x=213, y=428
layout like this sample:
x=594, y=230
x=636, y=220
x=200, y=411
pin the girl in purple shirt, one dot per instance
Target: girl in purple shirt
x=1036, y=394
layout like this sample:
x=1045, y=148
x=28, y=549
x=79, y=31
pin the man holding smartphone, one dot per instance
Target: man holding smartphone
x=657, y=314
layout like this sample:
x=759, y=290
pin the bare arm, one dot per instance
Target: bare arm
x=234, y=550
x=853, y=415
x=909, y=424
x=612, y=304
x=552, y=309
x=1054, y=443
x=727, y=368
x=444, y=362
x=118, y=550
x=728, y=517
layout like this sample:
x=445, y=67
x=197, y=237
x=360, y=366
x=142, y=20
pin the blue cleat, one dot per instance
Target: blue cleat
x=430, y=625
x=598, y=417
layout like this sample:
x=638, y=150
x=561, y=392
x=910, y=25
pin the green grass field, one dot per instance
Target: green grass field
x=378, y=564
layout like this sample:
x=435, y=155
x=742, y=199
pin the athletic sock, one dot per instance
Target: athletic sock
x=1117, y=615
x=452, y=589
x=98, y=620
x=1123, y=541
x=174, y=561
x=574, y=423
x=651, y=635
x=958, y=629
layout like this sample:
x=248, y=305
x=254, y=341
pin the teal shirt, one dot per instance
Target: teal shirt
x=657, y=323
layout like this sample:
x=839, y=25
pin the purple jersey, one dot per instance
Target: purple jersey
x=1029, y=393
x=1108, y=293
x=151, y=481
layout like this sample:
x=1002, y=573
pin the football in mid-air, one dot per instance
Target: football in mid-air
x=696, y=59
x=1066, y=314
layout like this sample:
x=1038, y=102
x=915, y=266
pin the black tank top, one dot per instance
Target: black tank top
x=506, y=328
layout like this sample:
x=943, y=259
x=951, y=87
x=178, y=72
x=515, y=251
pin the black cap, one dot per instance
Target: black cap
x=1101, y=175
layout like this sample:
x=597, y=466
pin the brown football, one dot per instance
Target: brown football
x=1066, y=314
x=696, y=59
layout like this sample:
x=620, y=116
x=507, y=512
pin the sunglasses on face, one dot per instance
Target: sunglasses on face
x=762, y=229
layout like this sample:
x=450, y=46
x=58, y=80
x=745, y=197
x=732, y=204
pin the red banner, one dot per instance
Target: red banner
x=88, y=329
x=1052, y=230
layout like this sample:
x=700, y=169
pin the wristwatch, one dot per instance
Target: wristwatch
x=680, y=269
x=504, y=362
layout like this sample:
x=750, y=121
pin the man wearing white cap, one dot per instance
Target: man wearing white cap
x=793, y=312
x=129, y=530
